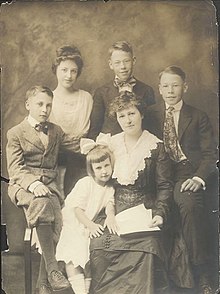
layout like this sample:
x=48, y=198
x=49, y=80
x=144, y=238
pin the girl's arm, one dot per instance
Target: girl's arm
x=110, y=221
x=95, y=230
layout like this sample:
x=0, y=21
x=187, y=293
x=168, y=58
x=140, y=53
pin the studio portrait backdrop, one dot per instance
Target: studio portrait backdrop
x=162, y=33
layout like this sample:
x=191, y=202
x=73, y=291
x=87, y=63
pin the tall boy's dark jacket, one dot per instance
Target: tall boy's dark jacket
x=100, y=120
x=195, y=136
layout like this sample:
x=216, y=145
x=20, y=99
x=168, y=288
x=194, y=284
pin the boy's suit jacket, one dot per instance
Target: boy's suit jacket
x=100, y=120
x=29, y=161
x=195, y=136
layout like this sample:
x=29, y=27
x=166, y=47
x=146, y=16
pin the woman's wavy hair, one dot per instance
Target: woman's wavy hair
x=125, y=100
x=68, y=52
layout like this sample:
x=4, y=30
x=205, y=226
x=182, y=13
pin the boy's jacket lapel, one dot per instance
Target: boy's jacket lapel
x=184, y=120
x=160, y=117
x=31, y=136
x=51, y=138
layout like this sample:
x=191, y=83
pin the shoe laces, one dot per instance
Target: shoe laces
x=57, y=275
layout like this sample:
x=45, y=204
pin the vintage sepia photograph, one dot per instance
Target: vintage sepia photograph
x=110, y=131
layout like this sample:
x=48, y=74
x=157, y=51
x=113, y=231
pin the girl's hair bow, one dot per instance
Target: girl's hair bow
x=86, y=145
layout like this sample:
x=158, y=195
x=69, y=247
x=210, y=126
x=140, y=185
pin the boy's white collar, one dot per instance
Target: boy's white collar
x=32, y=121
x=177, y=107
x=131, y=77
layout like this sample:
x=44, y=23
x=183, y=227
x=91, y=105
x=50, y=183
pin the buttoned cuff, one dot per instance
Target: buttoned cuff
x=201, y=181
x=34, y=185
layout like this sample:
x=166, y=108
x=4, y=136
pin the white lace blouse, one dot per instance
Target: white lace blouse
x=128, y=164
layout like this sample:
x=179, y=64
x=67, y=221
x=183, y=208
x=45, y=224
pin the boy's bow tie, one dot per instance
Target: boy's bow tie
x=42, y=127
x=130, y=83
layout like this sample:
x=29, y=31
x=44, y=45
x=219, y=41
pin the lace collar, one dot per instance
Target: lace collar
x=128, y=164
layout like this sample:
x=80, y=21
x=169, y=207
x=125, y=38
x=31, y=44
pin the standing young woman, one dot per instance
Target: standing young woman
x=71, y=109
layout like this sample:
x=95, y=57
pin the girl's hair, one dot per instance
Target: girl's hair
x=173, y=69
x=68, y=52
x=125, y=100
x=38, y=89
x=121, y=45
x=98, y=154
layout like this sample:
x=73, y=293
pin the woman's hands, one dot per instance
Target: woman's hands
x=156, y=221
x=111, y=224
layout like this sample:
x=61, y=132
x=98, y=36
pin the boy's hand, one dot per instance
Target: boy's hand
x=111, y=224
x=191, y=185
x=95, y=230
x=156, y=221
x=41, y=191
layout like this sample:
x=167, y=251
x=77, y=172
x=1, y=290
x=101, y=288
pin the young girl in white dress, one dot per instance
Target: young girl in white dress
x=71, y=109
x=89, y=196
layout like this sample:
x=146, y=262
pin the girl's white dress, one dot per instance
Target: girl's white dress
x=74, y=239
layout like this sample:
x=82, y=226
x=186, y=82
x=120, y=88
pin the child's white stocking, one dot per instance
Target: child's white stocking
x=78, y=284
x=87, y=284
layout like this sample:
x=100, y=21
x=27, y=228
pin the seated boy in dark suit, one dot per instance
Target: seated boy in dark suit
x=188, y=139
x=121, y=61
x=32, y=151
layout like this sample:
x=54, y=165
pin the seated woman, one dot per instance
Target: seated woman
x=134, y=262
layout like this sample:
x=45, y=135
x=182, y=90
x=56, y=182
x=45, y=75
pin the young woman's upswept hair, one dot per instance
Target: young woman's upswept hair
x=68, y=52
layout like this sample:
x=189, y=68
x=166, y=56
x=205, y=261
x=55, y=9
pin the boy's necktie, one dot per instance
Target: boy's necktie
x=42, y=127
x=122, y=85
x=170, y=136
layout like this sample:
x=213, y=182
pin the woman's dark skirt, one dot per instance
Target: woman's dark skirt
x=132, y=264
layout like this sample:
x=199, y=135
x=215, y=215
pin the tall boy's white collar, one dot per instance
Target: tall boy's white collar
x=177, y=107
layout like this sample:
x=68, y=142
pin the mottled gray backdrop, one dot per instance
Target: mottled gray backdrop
x=183, y=33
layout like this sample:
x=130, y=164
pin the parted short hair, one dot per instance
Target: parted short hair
x=173, y=69
x=68, y=52
x=125, y=100
x=33, y=91
x=120, y=45
x=98, y=154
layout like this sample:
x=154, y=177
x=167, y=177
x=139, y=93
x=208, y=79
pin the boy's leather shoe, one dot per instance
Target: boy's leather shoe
x=58, y=281
x=204, y=285
x=44, y=288
x=206, y=289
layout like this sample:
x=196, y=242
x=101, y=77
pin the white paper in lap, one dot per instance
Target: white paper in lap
x=135, y=219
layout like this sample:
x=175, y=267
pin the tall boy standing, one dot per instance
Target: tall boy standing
x=188, y=139
x=32, y=152
x=121, y=61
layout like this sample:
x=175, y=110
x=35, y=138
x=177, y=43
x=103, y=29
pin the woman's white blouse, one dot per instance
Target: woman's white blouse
x=72, y=113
